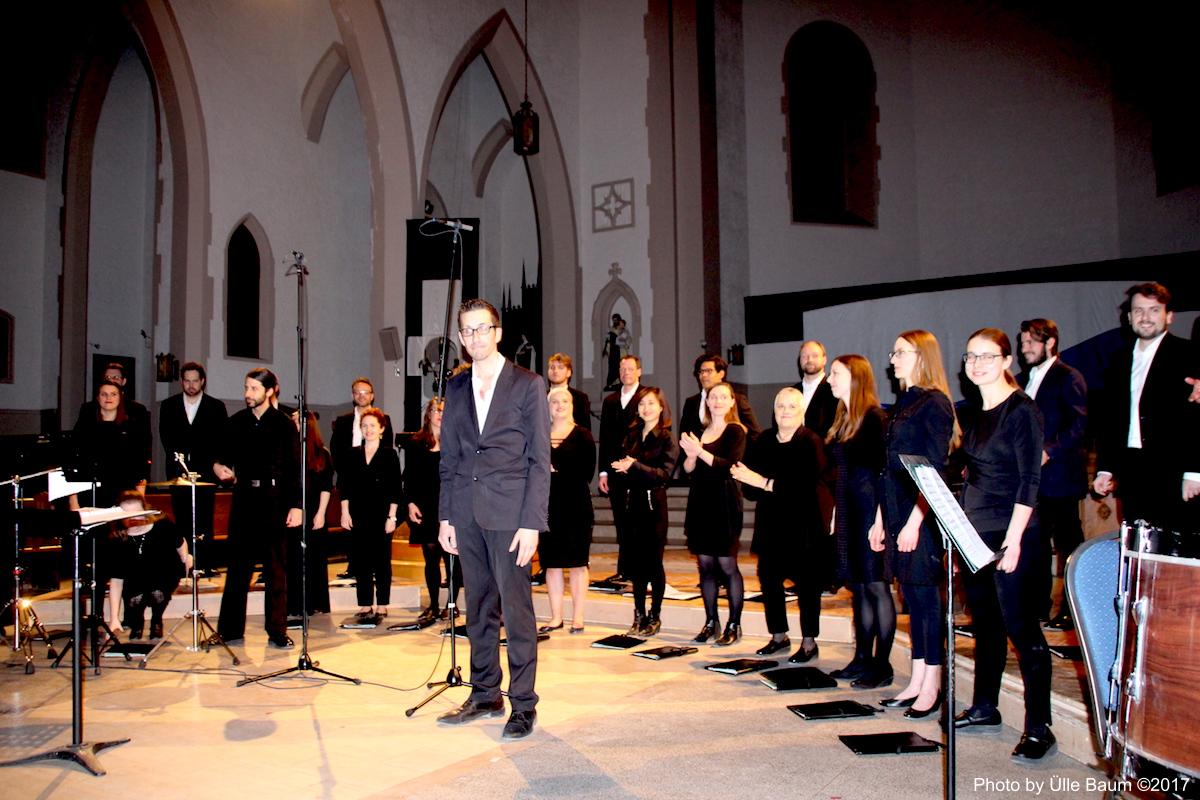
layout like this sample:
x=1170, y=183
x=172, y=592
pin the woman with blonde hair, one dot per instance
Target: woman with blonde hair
x=713, y=521
x=920, y=423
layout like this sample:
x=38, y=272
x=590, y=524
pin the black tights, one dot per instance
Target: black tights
x=874, y=620
x=435, y=556
x=717, y=571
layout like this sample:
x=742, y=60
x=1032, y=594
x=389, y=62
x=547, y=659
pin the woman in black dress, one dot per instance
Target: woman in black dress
x=783, y=471
x=1002, y=442
x=370, y=492
x=147, y=559
x=318, y=486
x=650, y=456
x=568, y=542
x=857, y=454
x=422, y=488
x=713, y=522
x=920, y=423
x=111, y=446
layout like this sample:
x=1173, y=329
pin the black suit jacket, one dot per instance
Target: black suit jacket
x=1062, y=399
x=343, y=434
x=582, y=405
x=689, y=418
x=615, y=424
x=1170, y=425
x=197, y=440
x=819, y=409
x=500, y=477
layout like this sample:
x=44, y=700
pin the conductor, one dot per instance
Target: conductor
x=495, y=479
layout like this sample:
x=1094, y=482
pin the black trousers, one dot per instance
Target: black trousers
x=809, y=582
x=257, y=530
x=1058, y=519
x=1005, y=605
x=926, y=621
x=493, y=580
x=644, y=550
x=372, y=564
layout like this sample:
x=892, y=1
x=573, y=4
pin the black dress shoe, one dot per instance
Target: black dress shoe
x=733, y=632
x=897, y=702
x=651, y=625
x=1062, y=622
x=519, y=725
x=805, y=654
x=972, y=720
x=348, y=574
x=471, y=711
x=877, y=675
x=282, y=642
x=428, y=616
x=1035, y=747
x=156, y=630
x=549, y=628
x=135, y=633
x=538, y=578
x=708, y=631
x=922, y=713
x=852, y=671
x=773, y=646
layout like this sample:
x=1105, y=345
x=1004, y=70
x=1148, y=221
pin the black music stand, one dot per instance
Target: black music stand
x=79, y=751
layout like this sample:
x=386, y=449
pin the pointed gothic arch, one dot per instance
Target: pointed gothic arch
x=602, y=311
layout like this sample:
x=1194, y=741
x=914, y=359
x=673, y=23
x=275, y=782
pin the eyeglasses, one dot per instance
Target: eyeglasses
x=983, y=358
x=362, y=392
x=707, y=371
x=895, y=353
x=478, y=330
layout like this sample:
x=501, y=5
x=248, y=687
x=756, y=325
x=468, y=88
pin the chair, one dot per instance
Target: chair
x=1092, y=579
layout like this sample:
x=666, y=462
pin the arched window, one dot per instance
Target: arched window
x=249, y=300
x=6, y=347
x=833, y=158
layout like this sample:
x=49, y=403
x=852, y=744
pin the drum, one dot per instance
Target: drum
x=1156, y=724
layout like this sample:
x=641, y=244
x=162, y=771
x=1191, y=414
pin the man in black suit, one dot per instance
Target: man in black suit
x=618, y=414
x=495, y=476
x=347, y=432
x=709, y=369
x=559, y=370
x=821, y=405
x=192, y=423
x=1061, y=395
x=1149, y=445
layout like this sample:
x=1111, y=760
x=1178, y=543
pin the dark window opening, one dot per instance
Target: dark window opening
x=242, y=276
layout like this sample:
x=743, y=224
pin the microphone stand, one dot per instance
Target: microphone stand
x=304, y=663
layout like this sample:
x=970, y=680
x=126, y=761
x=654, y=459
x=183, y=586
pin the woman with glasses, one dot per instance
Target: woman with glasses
x=1002, y=442
x=649, y=461
x=713, y=521
x=920, y=423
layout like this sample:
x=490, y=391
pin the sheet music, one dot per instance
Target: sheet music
x=974, y=551
x=89, y=517
x=60, y=487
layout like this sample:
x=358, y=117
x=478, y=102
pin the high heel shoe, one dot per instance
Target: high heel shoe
x=651, y=625
x=708, y=631
x=898, y=702
x=636, y=628
x=733, y=632
x=914, y=713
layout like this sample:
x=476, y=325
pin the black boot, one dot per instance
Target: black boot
x=651, y=625
x=733, y=632
x=708, y=631
x=636, y=628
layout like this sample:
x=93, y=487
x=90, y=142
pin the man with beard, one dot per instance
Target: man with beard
x=821, y=404
x=709, y=369
x=1061, y=395
x=260, y=457
x=495, y=494
x=1149, y=442
x=192, y=423
x=347, y=430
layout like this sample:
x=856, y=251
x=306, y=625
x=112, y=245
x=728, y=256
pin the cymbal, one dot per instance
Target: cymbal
x=176, y=482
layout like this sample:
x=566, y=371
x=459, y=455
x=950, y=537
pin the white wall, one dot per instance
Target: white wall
x=22, y=286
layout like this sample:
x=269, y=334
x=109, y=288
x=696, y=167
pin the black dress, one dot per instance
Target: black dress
x=316, y=556
x=857, y=464
x=568, y=542
x=713, y=522
x=150, y=567
x=117, y=454
x=371, y=488
x=920, y=423
x=646, y=503
x=422, y=487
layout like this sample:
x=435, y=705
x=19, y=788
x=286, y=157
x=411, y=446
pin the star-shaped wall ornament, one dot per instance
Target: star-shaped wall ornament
x=612, y=205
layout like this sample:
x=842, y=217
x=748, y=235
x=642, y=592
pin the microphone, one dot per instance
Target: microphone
x=453, y=223
x=182, y=460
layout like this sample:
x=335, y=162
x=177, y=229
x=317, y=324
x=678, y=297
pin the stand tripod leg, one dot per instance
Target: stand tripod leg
x=213, y=637
x=453, y=678
x=83, y=754
x=34, y=625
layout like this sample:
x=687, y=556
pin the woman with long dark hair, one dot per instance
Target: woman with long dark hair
x=855, y=445
x=566, y=545
x=783, y=471
x=318, y=487
x=649, y=460
x=713, y=522
x=422, y=488
x=1002, y=442
x=920, y=423
x=112, y=447
x=370, y=492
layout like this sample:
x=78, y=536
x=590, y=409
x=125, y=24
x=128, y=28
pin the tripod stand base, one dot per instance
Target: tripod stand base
x=83, y=754
x=305, y=664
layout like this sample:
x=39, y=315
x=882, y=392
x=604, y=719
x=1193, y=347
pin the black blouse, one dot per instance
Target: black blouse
x=1003, y=449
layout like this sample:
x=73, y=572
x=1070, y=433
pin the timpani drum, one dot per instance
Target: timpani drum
x=1156, y=722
